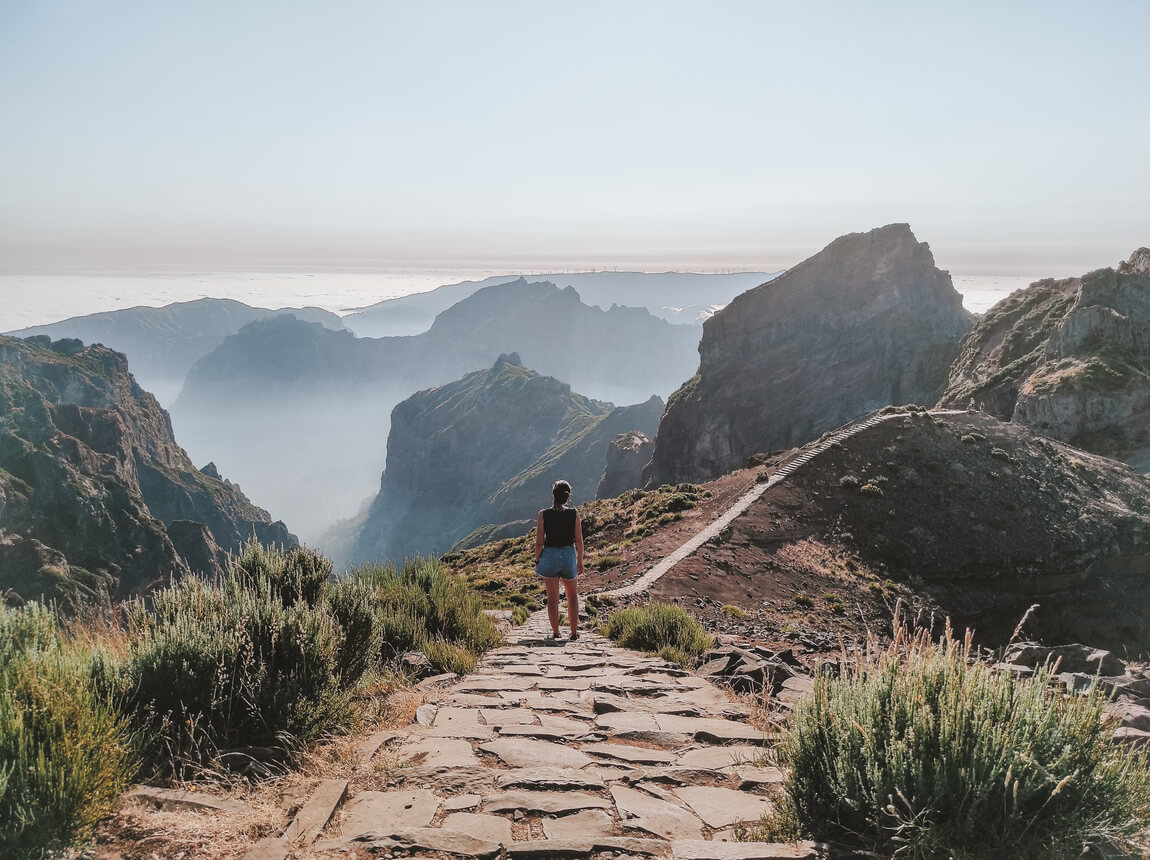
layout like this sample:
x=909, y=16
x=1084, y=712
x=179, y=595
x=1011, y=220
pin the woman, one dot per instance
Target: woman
x=559, y=555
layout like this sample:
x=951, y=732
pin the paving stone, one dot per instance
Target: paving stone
x=548, y=802
x=564, y=684
x=545, y=733
x=522, y=669
x=716, y=731
x=697, y=849
x=640, y=811
x=753, y=777
x=430, y=752
x=425, y=715
x=483, y=684
x=718, y=758
x=431, y=839
x=489, y=828
x=799, y=684
x=549, y=778
x=269, y=848
x=314, y=815
x=582, y=847
x=640, y=727
x=566, y=724
x=521, y=752
x=177, y=799
x=553, y=704
x=630, y=754
x=459, y=723
x=367, y=750
x=583, y=824
x=461, y=802
x=474, y=700
x=508, y=716
x=722, y=807
x=607, y=703
x=447, y=780
x=381, y=811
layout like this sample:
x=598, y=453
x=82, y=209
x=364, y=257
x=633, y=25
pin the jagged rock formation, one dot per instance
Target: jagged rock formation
x=866, y=322
x=95, y=494
x=269, y=395
x=485, y=449
x=627, y=456
x=1070, y=358
x=163, y=343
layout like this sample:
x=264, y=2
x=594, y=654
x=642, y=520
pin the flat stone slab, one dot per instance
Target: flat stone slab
x=177, y=799
x=268, y=848
x=575, y=728
x=641, y=811
x=560, y=848
x=432, y=839
x=546, y=733
x=583, y=824
x=698, y=849
x=550, y=684
x=606, y=703
x=718, y=758
x=539, y=702
x=549, y=778
x=459, y=723
x=488, y=828
x=461, y=802
x=640, y=727
x=508, y=716
x=521, y=752
x=314, y=815
x=722, y=807
x=383, y=811
x=548, y=802
x=753, y=777
x=716, y=731
x=496, y=684
x=630, y=754
x=430, y=752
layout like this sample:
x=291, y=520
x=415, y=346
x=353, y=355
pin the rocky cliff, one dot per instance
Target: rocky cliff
x=285, y=391
x=866, y=322
x=95, y=494
x=1069, y=358
x=627, y=456
x=163, y=343
x=484, y=450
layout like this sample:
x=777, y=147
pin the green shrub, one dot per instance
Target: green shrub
x=217, y=666
x=805, y=600
x=736, y=613
x=606, y=562
x=850, y=482
x=296, y=574
x=657, y=627
x=923, y=752
x=66, y=754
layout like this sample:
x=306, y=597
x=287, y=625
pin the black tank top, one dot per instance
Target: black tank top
x=559, y=526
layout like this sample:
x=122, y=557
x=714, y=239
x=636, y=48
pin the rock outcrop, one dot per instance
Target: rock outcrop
x=627, y=456
x=163, y=343
x=484, y=450
x=1070, y=358
x=868, y=321
x=95, y=494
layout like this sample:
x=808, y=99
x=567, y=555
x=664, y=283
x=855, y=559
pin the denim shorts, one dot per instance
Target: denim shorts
x=557, y=561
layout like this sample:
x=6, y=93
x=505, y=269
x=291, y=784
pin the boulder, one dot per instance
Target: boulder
x=1070, y=658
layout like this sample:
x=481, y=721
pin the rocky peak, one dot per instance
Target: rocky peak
x=1138, y=264
x=91, y=477
x=868, y=321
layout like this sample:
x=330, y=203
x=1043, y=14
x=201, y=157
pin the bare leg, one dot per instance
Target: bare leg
x=572, y=588
x=552, y=584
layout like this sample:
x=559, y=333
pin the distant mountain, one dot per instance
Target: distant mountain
x=163, y=343
x=300, y=413
x=484, y=450
x=678, y=297
x=95, y=493
x=1069, y=358
x=868, y=321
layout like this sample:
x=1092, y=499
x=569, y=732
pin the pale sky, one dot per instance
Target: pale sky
x=1012, y=136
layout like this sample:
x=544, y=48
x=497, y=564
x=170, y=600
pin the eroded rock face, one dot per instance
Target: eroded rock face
x=485, y=449
x=91, y=478
x=627, y=455
x=868, y=321
x=1070, y=359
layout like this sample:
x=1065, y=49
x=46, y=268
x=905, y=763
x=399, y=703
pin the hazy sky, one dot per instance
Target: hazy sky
x=1011, y=135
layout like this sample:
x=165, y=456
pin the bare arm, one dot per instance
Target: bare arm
x=538, y=536
x=578, y=544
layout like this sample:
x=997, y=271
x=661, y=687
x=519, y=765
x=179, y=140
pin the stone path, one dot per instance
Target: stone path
x=567, y=749
x=740, y=506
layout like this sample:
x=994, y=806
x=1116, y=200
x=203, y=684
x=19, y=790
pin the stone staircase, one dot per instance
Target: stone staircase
x=554, y=749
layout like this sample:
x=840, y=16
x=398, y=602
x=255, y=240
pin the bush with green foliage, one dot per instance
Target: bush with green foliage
x=922, y=751
x=66, y=753
x=662, y=629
